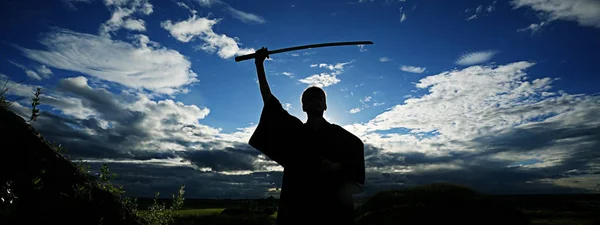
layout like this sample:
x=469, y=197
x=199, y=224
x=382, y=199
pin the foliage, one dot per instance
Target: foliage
x=56, y=179
x=35, y=101
x=104, y=180
x=161, y=214
x=7, y=199
x=157, y=214
x=4, y=103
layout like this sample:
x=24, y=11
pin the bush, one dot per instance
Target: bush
x=44, y=186
x=160, y=214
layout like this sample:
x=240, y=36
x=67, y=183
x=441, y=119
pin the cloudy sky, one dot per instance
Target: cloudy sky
x=501, y=96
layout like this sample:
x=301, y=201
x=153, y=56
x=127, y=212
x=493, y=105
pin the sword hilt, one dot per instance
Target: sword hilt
x=245, y=57
x=253, y=55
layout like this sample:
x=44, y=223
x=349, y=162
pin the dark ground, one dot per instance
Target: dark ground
x=581, y=209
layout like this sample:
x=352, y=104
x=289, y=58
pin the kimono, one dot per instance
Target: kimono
x=307, y=194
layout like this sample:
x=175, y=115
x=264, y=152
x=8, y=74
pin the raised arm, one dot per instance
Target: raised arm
x=265, y=91
x=277, y=128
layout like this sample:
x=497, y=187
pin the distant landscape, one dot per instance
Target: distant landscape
x=538, y=209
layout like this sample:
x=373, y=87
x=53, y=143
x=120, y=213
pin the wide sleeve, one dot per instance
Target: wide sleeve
x=353, y=164
x=358, y=160
x=275, y=131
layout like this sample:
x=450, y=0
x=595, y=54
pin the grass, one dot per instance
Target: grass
x=213, y=216
x=562, y=221
x=554, y=217
x=537, y=217
x=199, y=212
x=202, y=212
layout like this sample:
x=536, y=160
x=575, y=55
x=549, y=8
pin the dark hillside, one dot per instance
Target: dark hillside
x=41, y=186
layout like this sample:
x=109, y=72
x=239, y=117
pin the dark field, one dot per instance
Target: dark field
x=557, y=209
x=537, y=209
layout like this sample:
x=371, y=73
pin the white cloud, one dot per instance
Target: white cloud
x=584, y=12
x=384, y=59
x=157, y=111
x=321, y=80
x=336, y=69
x=287, y=106
x=475, y=58
x=123, y=16
x=208, y=3
x=30, y=73
x=481, y=10
x=365, y=103
x=187, y=30
x=172, y=162
x=183, y=5
x=151, y=127
x=328, y=78
x=583, y=182
x=44, y=71
x=161, y=119
x=402, y=14
x=463, y=105
x=246, y=17
x=140, y=66
x=71, y=5
x=533, y=28
x=201, y=28
x=14, y=88
x=472, y=17
x=459, y=90
x=489, y=113
x=412, y=69
x=134, y=24
x=68, y=105
x=361, y=48
x=289, y=74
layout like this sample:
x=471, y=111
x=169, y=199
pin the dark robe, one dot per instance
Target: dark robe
x=308, y=195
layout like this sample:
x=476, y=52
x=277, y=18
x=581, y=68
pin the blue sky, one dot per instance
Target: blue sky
x=448, y=88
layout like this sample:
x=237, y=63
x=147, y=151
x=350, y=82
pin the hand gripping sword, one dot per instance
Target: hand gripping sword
x=251, y=56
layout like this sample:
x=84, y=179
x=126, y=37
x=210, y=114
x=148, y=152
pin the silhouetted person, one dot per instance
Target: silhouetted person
x=323, y=163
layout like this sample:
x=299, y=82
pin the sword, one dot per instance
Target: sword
x=251, y=56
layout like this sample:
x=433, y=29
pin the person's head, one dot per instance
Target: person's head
x=314, y=101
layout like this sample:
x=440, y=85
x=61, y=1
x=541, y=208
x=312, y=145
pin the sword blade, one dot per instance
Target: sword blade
x=251, y=56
